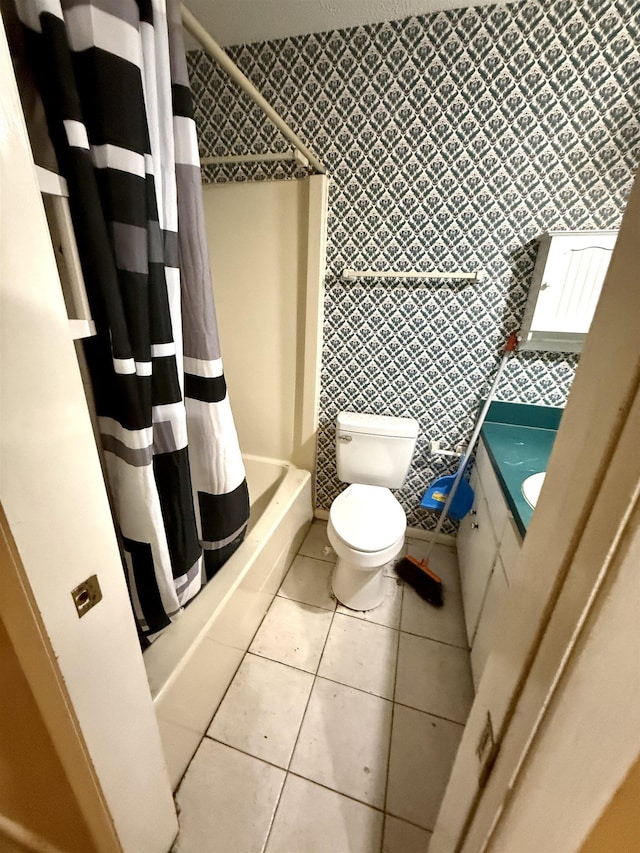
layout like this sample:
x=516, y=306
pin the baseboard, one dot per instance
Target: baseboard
x=412, y=532
x=427, y=535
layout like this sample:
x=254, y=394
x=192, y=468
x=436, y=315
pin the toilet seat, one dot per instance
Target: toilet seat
x=367, y=519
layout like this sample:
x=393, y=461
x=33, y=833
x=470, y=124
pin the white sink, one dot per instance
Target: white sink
x=531, y=488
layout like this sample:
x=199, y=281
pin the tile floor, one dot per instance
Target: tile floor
x=339, y=729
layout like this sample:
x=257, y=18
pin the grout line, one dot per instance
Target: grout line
x=315, y=675
x=302, y=719
x=306, y=603
x=359, y=689
x=273, y=813
x=431, y=714
x=282, y=663
x=356, y=800
x=410, y=822
x=334, y=791
x=248, y=754
x=393, y=711
x=315, y=678
x=246, y=652
x=404, y=631
x=351, y=687
x=312, y=781
x=332, y=560
x=360, y=802
x=441, y=642
x=307, y=779
x=321, y=677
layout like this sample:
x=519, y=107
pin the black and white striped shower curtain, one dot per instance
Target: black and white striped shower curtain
x=113, y=80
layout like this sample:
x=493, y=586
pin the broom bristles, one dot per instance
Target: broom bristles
x=426, y=582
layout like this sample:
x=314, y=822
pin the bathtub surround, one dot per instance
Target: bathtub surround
x=453, y=140
x=190, y=667
x=155, y=362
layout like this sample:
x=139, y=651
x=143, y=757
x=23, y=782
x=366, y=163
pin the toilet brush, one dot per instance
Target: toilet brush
x=417, y=572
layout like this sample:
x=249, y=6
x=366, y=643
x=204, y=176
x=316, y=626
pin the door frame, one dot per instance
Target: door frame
x=591, y=487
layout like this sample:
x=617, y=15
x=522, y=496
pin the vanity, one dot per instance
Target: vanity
x=515, y=443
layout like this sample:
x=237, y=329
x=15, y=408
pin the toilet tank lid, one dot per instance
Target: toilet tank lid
x=377, y=424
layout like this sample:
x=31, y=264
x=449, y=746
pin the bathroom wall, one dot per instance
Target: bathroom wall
x=257, y=237
x=453, y=141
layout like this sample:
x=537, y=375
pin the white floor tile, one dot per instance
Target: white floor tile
x=361, y=654
x=343, y=742
x=227, y=801
x=434, y=677
x=444, y=623
x=311, y=819
x=293, y=633
x=387, y=613
x=192, y=698
x=309, y=581
x=403, y=837
x=263, y=709
x=317, y=544
x=423, y=749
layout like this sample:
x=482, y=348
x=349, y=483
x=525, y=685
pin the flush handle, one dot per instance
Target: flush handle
x=345, y=438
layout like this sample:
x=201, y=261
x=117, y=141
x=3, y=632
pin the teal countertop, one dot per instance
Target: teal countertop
x=519, y=439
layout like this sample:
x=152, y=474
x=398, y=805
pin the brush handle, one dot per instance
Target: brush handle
x=509, y=348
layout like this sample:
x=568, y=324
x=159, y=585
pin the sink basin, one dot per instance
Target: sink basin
x=531, y=488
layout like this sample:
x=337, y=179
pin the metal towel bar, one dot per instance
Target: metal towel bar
x=351, y=274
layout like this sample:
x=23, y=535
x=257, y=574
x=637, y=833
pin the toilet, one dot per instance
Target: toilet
x=366, y=522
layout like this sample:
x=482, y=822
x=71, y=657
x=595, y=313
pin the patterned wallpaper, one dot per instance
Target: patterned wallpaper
x=453, y=140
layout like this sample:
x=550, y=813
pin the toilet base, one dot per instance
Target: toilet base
x=357, y=588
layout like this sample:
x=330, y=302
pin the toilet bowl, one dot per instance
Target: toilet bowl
x=366, y=530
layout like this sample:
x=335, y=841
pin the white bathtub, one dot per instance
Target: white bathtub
x=191, y=665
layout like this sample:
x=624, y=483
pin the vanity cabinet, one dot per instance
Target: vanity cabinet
x=477, y=549
x=495, y=599
x=488, y=546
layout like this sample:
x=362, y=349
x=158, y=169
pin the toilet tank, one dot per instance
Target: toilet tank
x=375, y=450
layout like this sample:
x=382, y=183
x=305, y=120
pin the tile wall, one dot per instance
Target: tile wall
x=453, y=141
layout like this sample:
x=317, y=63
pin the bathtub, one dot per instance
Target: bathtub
x=190, y=666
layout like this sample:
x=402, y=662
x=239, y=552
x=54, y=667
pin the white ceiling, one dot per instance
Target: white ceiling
x=244, y=21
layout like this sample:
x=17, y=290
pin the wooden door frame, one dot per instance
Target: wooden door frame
x=28, y=635
x=582, y=502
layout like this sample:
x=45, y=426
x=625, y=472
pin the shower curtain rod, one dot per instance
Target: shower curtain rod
x=211, y=46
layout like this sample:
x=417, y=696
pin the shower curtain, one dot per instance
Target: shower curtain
x=113, y=80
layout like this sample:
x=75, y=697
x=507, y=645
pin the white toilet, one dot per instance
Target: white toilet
x=366, y=523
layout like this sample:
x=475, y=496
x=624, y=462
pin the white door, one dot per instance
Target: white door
x=568, y=567
x=86, y=674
